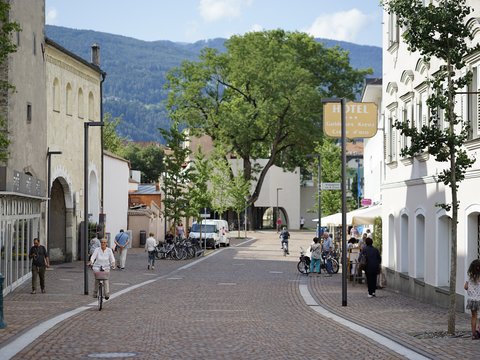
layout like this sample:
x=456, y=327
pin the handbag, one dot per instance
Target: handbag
x=362, y=261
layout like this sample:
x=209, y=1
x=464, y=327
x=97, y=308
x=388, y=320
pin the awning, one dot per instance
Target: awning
x=362, y=216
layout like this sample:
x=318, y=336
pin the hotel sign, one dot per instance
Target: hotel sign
x=361, y=120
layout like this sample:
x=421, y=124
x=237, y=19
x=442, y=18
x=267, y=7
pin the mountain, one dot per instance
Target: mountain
x=136, y=70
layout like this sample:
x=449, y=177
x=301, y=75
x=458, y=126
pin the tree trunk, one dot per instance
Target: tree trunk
x=453, y=186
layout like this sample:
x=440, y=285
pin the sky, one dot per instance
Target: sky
x=356, y=21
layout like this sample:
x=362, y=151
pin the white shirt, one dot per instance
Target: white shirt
x=103, y=258
x=150, y=243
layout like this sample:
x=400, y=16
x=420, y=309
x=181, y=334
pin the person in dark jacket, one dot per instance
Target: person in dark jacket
x=373, y=266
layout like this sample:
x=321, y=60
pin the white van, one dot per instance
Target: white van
x=210, y=231
x=223, y=231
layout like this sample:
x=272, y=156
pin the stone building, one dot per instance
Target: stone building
x=23, y=176
x=73, y=98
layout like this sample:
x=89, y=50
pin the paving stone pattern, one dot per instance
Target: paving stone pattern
x=242, y=303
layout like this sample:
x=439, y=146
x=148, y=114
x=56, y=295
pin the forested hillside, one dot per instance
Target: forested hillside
x=136, y=69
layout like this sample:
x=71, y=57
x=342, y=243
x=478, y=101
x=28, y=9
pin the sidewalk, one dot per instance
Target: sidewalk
x=416, y=325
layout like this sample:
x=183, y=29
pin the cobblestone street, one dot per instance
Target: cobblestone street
x=241, y=302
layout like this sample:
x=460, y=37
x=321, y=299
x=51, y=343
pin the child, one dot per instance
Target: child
x=472, y=285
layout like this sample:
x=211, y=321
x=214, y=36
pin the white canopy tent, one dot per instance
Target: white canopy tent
x=362, y=216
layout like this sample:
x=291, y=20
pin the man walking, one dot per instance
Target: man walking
x=40, y=261
x=121, y=241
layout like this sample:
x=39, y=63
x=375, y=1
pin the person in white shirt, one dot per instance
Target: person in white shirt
x=102, y=257
x=150, y=246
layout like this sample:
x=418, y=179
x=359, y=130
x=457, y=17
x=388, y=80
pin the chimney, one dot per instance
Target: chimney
x=96, y=54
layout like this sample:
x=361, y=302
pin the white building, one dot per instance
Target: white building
x=116, y=187
x=416, y=232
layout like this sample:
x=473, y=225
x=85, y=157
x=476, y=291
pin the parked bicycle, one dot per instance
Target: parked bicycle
x=101, y=274
x=304, y=264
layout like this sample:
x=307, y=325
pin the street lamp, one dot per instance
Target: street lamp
x=319, y=189
x=85, y=201
x=49, y=204
x=343, y=138
x=278, y=212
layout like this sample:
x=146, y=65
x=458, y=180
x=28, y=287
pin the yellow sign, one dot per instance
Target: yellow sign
x=361, y=120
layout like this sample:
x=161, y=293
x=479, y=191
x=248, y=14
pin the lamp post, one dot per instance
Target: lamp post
x=319, y=190
x=278, y=212
x=343, y=138
x=85, y=201
x=49, y=179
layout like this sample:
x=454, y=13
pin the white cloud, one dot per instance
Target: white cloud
x=51, y=16
x=213, y=10
x=343, y=25
x=256, y=27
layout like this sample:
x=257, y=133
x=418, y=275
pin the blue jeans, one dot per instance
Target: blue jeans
x=151, y=258
x=314, y=263
x=328, y=263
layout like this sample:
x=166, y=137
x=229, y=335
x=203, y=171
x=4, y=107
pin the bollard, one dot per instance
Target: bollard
x=3, y=324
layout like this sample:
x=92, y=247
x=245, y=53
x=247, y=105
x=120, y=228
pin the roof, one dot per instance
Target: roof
x=115, y=156
x=73, y=55
x=147, y=189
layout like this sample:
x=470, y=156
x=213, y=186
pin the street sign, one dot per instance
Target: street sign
x=331, y=186
x=366, y=202
x=361, y=119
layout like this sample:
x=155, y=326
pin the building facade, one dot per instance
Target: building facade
x=23, y=176
x=73, y=99
x=416, y=232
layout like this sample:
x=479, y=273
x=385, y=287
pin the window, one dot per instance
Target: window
x=56, y=95
x=393, y=30
x=81, y=105
x=68, y=99
x=472, y=106
x=18, y=38
x=34, y=44
x=91, y=109
x=29, y=113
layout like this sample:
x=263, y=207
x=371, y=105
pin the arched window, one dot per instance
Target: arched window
x=420, y=246
x=404, y=261
x=56, y=95
x=68, y=99
x=81, y=105
x=91, y=108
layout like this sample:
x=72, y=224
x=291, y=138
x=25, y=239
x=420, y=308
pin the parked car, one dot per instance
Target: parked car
x=210, y=230
x=224, y=232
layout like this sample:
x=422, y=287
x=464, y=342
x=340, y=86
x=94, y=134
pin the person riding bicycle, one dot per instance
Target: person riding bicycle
x=102, y=257
x=327, y=249
x=284, y=236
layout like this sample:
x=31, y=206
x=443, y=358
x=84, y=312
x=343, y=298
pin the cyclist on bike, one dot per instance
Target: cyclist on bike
x=284, y=236
x=327, y=249
x=102, y=257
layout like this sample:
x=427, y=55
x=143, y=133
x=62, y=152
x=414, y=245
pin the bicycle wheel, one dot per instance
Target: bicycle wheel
x=190, y=252
x=180, y=253
x=100, y=296
x=302, y=267
x=335, y=266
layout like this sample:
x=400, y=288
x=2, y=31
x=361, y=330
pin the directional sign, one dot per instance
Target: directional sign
x=361, y=120
x=331, y=186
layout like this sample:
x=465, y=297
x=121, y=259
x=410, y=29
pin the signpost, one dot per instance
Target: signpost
x=366, y=202
x=361, y=120
x=331, y=186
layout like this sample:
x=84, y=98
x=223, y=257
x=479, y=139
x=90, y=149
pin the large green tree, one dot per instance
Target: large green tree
x=148, y=159
x=111, y=140
x=439, y=34
x=7, y=46
x=261, y=98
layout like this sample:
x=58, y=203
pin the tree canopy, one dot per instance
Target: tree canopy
x=261, y=99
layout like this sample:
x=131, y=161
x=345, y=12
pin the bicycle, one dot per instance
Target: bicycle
x=303, y=265
x=335, y=264
x=101, y=274
x=285, y=248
